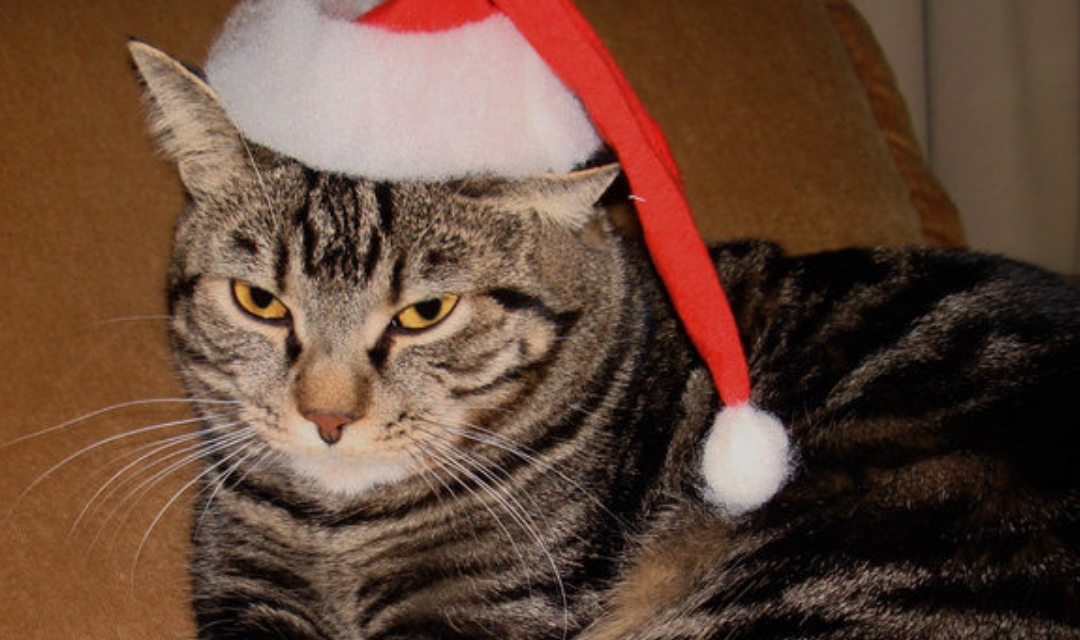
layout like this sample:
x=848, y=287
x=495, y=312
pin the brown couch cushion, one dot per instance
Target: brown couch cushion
x=766, y=115
x=938, y=217
x=767, y=118
x=86, y=212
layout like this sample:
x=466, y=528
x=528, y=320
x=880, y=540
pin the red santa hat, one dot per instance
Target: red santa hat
x=441, y=89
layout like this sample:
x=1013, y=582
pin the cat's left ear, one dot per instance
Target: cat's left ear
x=189, y=123
x=568, y=199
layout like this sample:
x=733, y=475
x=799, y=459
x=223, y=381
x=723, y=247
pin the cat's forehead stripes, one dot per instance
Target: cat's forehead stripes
x=342, y=227
x=384, y=197
x=244, y=243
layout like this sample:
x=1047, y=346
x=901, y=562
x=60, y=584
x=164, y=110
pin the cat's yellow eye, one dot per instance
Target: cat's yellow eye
x=258, y=302
x=426, y=313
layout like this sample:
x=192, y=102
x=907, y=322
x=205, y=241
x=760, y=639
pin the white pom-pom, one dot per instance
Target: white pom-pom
x=747, y=458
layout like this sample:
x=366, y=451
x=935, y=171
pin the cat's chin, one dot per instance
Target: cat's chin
x=347, y=476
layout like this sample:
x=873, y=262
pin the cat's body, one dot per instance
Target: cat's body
x=467, y=410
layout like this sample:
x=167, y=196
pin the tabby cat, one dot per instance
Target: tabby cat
x=467, y=410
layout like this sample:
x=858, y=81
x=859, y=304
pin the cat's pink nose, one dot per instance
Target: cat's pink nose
x=331, y=425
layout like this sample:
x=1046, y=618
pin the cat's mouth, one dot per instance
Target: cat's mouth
x=350, y=473
x=360, y=456
x=366, y=453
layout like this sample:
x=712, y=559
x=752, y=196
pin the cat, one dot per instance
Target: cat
x=467, y=410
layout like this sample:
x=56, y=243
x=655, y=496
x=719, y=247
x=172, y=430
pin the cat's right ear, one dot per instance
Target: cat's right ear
x=189, y=123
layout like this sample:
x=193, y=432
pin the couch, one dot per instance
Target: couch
x=783, y=116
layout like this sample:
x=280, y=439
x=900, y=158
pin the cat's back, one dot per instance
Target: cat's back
x=930, y=396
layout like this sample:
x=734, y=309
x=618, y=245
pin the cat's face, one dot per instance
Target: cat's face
x=370, y=332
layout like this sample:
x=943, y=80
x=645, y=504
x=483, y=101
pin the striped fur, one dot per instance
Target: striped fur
x=525, y=468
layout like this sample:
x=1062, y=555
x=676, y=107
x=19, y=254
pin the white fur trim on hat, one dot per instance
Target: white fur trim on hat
x=746, y=459
x=343, y=96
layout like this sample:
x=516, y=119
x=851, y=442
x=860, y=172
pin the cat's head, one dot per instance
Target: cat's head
x=369, y=332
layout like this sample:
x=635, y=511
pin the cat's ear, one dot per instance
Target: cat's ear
x=189, y=123
x=566, y=199
x=570, y=199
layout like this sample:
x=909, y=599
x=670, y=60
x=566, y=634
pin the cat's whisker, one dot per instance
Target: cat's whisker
x=97, y=413
x=266, y=452
x=498, y=478
x=418, y=455
x=447, y=463
x=131, y=319
x=121, y=477
x=149, y=479
x=492, y=469
x=506, y=445
x=186, y=456
x=263, y=190
x=177, y=495
x=481, y=435
x=51, y=471
x=490, y=483
x=134, y=452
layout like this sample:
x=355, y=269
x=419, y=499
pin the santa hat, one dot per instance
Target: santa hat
x=439, y=89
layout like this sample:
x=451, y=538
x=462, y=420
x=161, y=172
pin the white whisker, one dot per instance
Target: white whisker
x=176, y=496
x=121, y=477
x=126, y=319
x=491, y=470
x=88, y=449
x=187, y=456
x=265, y=192
x=448, y=464
x=490, y=483
x=417, y=455
x=481, y=435
x=266, y=452
x=107, y=410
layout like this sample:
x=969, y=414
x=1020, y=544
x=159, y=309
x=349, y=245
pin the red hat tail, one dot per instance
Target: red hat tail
x=566, y=41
